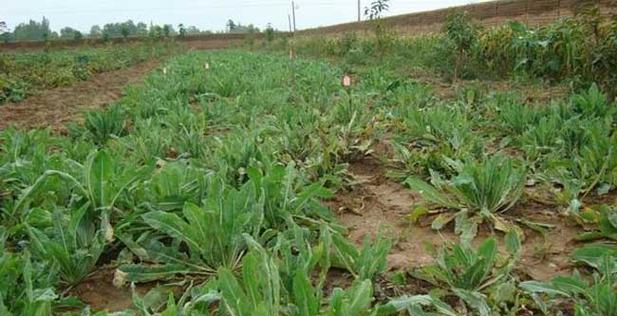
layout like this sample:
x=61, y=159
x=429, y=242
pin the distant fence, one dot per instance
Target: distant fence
x=531, y=12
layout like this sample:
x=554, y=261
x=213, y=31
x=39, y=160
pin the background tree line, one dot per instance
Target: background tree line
x=41, y=31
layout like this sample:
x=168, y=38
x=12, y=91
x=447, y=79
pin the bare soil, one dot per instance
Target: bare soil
x=99, y=292
x=54, y=108
x=378, y=205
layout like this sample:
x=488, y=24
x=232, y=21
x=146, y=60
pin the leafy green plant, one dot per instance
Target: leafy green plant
x=469, y=273
x=260, y=293
x=173, y=185
x=74, y=245
x=604, y=218
x=592, y=103
x=543, y=138
x=24, y=288
x=227, y=213
x=101, y=183
x=106, y=124
x=597, y=297
x=516, y=117
x=376, y=9
x=354, y=301
x=417, y=305
x=462, y=267
x=485, y=188
x=430, y=135
x=592, y=168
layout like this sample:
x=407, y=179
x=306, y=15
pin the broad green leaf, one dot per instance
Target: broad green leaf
x=593, y=254
x=475, y=300
x=175, y=227
x=99, y=172
x=540, y=287
x=305, y=297
x=235, y=300
x=429, y=192
x=403, y=303
x=513, y=242
x=360, y=296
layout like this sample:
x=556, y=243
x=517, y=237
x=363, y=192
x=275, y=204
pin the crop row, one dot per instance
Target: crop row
x=25, y=73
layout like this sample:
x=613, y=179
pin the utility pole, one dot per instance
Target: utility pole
x=289, y=19
x=293, y=13
x=359, y=15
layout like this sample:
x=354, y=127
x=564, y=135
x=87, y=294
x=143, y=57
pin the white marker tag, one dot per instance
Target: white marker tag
x=207, y=66
x=165, y=70
x=346, y=81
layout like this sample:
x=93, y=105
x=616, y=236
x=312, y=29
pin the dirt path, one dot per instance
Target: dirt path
x=54, y=108
x=379, y=205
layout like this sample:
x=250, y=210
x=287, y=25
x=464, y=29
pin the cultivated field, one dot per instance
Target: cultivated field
x=468, y=172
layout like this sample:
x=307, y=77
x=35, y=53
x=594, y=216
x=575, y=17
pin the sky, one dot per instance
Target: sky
x=205, y=14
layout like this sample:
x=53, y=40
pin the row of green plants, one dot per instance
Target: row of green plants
x=210, y=178
x=479, y=158
x=580, y=49
x=203, y=174
x=26, y=73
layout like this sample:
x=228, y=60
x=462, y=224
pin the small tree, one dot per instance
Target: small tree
x=5, y=34
x=231, y=26
x=376, y=8
x=192, y=30
x=168, y=30
x=181, y=30
x=95, y=31
x=269, y=33
x=70, y=33
x=382, y=33
x=155, y=31
x=125, y=31
x=463, y=32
